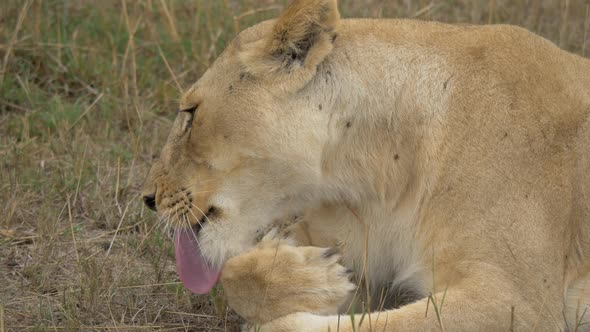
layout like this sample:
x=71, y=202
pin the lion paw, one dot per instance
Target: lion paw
x=275, y=279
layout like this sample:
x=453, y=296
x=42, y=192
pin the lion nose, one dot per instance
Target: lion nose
x=150, y=201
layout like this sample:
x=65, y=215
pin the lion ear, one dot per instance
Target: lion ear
x=298, y=42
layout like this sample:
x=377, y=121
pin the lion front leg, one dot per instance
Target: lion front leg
x=479, y=304
x=276, y=279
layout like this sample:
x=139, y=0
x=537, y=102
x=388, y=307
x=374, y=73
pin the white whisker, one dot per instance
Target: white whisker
x=204, y=214
x=197, y=219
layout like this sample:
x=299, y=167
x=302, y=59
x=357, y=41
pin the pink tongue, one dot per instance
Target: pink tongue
x=194, y=271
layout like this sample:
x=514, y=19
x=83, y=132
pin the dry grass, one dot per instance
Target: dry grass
x=88, y=90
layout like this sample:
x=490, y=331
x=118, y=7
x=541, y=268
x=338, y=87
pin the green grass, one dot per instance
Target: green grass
x=88, y=90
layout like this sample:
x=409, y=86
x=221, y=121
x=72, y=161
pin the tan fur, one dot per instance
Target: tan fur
x=439, y=159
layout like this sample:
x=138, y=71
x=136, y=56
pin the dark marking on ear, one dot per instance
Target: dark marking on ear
x=320, y=107
x=300, y=49
x=293, y=55
x=396, y=157
x=348, y=124
x=306, y=43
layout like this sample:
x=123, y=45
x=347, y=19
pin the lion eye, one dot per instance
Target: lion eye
x=190, y=111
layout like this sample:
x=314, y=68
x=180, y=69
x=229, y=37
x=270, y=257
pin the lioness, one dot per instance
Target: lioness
x=443, y=162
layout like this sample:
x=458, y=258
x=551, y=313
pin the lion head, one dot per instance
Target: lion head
x=246, y=146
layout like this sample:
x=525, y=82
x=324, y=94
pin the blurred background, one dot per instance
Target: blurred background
x=88, y=91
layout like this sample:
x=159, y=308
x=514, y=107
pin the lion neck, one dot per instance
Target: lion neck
x=386, y=128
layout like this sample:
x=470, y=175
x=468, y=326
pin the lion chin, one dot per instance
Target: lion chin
x=424, y=161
